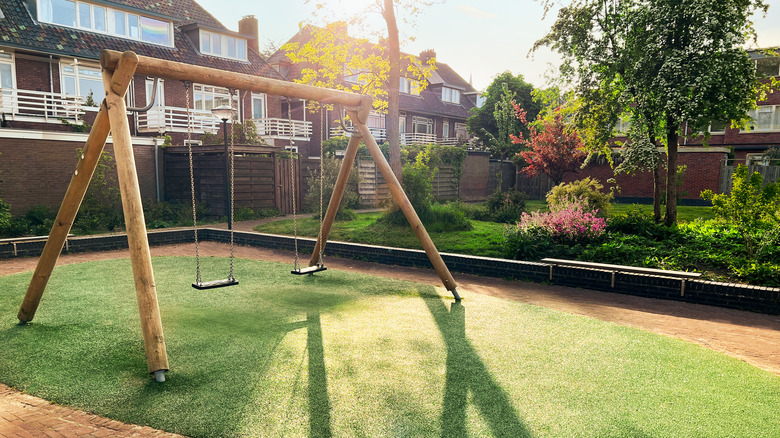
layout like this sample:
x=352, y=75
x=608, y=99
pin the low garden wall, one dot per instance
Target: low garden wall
x=735, y=296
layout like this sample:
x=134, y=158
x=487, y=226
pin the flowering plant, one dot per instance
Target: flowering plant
x=571, y=222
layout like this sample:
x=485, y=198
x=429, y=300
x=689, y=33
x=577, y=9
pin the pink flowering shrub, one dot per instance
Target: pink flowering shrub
x=571, y=222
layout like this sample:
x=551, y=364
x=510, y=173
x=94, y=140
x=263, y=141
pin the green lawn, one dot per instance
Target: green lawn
x=342, y=354
x=484, y=240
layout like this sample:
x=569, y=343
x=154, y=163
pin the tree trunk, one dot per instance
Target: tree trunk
x=671, y=176
x=657, y=178
x=393, y=110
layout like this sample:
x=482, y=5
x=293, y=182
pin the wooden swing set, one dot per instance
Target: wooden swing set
x=118, y=70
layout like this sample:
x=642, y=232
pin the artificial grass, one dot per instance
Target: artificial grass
x=342, y=354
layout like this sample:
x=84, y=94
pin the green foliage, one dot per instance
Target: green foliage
x=101, y=209
x=333, y=144
x=90, y=100
x=754, y=210
x=76, y=127
x=350, y=199
x=587, y=188
x=5, y=213
x=659, y=65
x=505, y=207
x=483, y=123
x=238, y=133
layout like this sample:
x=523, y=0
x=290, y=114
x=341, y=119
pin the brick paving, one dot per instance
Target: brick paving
x=23, y=416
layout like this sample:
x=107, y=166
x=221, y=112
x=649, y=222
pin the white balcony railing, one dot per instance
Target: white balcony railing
x=45, y=106
x=409, y=138
x=282, y=128
x=174, y=119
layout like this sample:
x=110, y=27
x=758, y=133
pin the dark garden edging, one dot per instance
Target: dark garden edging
x=735, y=296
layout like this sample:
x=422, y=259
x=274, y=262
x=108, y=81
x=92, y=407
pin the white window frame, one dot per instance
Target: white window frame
x=461, y=127
x=445, y=128
x=423, y=121
x=407, y=86
x=76, y=64
x=159, y=97
x=7, y=103
x=109, y=22
x=450, y=95
x=262, y=97
x=224, y=45
x=777, y=73
x=774, y=118
x=214, y=92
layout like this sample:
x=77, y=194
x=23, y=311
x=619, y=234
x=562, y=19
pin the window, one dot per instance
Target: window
x=375, y=121
x=450, y=95
x=159, y=97
x=402, y=123
x=207, y=97
x=81, y=80
x=767, y=67
x=408, y=86
x=718, y=126
x=258, y=106
x=6, y=80
x=766, y=118
x=96, y=18
x=222, y=45
x=461, y=130
x=445, y=129
x=422, y=125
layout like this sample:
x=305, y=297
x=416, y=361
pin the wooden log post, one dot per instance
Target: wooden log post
x=400, y=198
x=74, y=196
x=140, y=255
x=335, y=198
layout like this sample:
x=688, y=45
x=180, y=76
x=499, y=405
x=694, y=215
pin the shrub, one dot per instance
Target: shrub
x=506, y=207
x=637, y=223
x=754, y=210
x=331, y=167
x=567, y=223
x=590, y=189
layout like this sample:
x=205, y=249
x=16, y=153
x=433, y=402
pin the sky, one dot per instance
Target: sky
x=479, y=39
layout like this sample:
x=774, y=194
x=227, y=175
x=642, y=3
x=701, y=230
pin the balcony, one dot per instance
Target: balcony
x=41, y=106
x=174, y=119
x=270, y=127
x=407, y=138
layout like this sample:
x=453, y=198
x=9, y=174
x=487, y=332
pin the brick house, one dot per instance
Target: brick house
x=51, y=85
x=435, y=115
x=711, y=167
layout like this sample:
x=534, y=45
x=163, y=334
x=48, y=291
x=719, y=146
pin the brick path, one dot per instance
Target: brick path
x=23, y=415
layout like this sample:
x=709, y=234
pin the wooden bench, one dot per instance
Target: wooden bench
x=14, y=240
x=621, y=268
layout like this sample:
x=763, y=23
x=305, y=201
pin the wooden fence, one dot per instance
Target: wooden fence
x=770, y=174
x=536, y=187
x=261, y=176
x=373, y=189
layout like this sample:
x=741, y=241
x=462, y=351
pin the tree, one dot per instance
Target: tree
x=662, y=64
x=483, y=123
x=392, y=55
x=555, y=149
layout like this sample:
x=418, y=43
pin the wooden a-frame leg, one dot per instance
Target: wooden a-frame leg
x=66, y=215
x=335, y=198
x=400, y=198
x=140, y=255
x=74, y=195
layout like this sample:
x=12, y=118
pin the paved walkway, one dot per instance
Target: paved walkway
x=23, y=416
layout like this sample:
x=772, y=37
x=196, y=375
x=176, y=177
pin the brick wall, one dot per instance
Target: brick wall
x=37, y=172
x=33, y=74
x=703, y=172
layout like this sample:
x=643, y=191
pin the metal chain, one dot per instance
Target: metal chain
x=187, y=85
x=234, y=117
x=322, y=177
x=297, y=264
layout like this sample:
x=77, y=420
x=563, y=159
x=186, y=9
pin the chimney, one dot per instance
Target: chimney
x=248, y=26
x=425, y=55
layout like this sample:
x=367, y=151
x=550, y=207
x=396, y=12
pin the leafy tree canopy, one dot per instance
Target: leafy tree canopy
x=482, y=122
x=661, y=64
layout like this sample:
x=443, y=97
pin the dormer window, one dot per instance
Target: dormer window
x=450, y=95
x=102, y=19
x=408, y=86
x=212, y=43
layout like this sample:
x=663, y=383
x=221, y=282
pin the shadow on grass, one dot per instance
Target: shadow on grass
x=319, y=402
x=466, y=372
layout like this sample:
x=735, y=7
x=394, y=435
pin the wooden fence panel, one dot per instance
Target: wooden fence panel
x=445, y=185
x=769, y=173
x=373, y=189
x=536, y=187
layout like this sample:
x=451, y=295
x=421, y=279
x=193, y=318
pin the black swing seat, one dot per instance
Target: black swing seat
x=309, y=270
x=215, y=284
